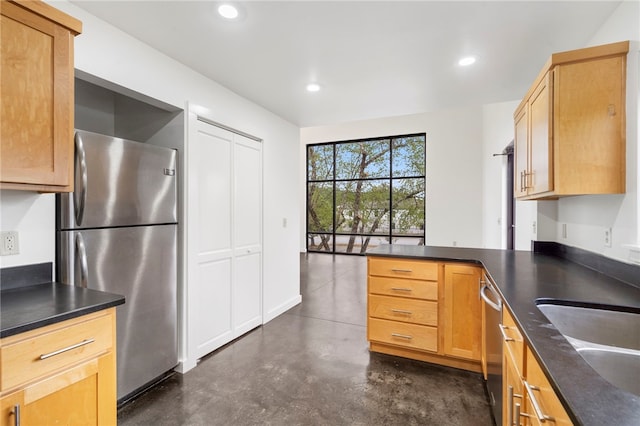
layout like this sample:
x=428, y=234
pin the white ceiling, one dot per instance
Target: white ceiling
x=373, y=58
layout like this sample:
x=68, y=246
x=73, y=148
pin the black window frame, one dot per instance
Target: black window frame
x=390, y=178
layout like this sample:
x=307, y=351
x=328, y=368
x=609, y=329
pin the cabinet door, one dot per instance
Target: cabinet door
x=9, y=405
x=590, y=101
x=521, y=152
x=540, y=177
x=36, y=112
x=463, y=312
x=70, y=398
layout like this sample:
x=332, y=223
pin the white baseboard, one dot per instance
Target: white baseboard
x=186, y=365
x=281, y=309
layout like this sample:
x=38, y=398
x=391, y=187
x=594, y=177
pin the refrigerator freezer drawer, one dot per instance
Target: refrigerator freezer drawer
x=139, y=263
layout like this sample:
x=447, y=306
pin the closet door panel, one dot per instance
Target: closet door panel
x=248, y=193
x=247, y=295
x=213, y=321
x=215, y=150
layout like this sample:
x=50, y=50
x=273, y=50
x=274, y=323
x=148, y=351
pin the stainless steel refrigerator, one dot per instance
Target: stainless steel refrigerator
x=117, y=232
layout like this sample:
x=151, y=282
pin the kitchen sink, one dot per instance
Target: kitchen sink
x=620, y=368
x=607, y=339
x=597, y=325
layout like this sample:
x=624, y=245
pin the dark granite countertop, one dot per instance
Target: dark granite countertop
x=522, y=277
x=30, y=307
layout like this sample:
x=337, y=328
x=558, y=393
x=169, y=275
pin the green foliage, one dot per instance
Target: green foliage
x=363, y=160
x=319, y=163
x=319, y=216
x=409, y=156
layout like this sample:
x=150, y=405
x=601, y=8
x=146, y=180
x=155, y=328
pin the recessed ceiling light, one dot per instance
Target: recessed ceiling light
x=313, y=87
x=228, y=11
x=466, y=61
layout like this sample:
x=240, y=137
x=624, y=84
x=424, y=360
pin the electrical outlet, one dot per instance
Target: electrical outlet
x=534, y=227
x=564, y=230
x=9, y=243
x=607, y=237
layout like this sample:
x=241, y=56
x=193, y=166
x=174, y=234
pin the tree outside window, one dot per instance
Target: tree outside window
x=361, y=194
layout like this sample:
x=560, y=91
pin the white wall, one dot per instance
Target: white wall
x=497, y=132
x=31, y=215
x=453, y=167
x=107, y=53
x=587, y=217
x=498, y=127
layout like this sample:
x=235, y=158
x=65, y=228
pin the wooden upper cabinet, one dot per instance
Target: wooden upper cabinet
x=37, y=100
x=521, y=151
x=540, y=176
x=570, y=127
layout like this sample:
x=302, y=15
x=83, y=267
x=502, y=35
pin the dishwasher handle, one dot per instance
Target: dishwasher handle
x=497, y=306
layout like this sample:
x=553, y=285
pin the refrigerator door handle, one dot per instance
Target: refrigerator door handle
x=81, y=257
x=80, y=194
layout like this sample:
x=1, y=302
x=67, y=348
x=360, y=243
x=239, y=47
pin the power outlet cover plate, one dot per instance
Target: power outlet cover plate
x=607, y=237
x=9, y=243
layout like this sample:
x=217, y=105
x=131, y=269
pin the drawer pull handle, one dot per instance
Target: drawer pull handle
x=402, y=336
x=68, y=348
x=16, y=415
x=517, y=415
x=400, y=289
x=408, y=271
x=401, y=311
x=510, y=407
x=534, y=402
x=504, y=333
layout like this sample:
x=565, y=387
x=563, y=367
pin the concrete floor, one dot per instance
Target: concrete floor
x=311, y=366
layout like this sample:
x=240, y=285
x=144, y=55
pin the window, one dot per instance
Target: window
x=364, y=193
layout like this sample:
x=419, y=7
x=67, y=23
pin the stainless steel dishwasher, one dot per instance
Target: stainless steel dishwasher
x=492, y=345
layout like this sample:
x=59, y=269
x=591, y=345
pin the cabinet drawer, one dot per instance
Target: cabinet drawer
x=405, y=288
x=403, y=334
x=514, y=344
x=403, y=268
x=41, y=352
x=401, y=309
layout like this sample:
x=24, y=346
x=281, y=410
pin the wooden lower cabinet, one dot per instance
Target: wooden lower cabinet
x=551, y=411
x=75, y=383
x=462, y=325
x=425, y=310
x=528, y=396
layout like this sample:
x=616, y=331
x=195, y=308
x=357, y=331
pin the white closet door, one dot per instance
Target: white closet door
x=214, y=158
x=247, y=295
x=228, y=237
